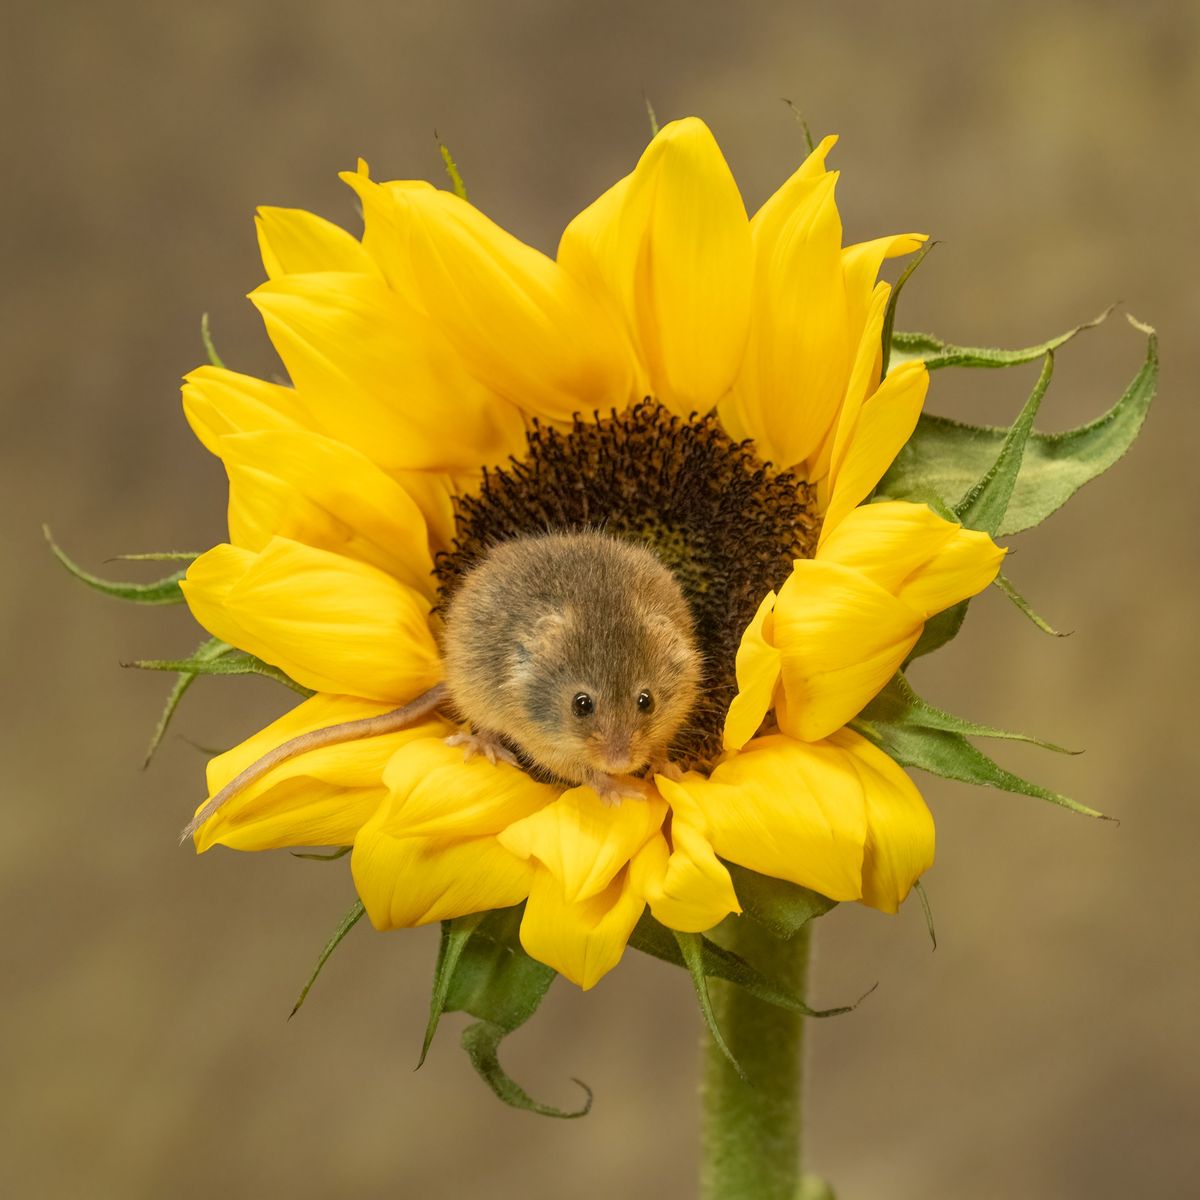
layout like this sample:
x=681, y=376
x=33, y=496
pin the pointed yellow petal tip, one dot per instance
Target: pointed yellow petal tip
x=363, y=169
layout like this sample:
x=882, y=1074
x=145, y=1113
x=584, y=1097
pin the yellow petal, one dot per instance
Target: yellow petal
x=295, y=242
x=860, y=265
x=434, y=493
x=841, y=638
x=329, y=622
x=583, y=940
x=321, y=798
x=785, y=809
x=434, y=792
x=927, y=562
x=383, y=375
x=900, y=833
x=793, y=377
x=405, y=881
x=687, y=886
x=884, y=423
x=217, y=402
x=584, y=842
x=670, y=248
x=516, y=319
x=758, y=667
x=792, y=194
x=328, y=495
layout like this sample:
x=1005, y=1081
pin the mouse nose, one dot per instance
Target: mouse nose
x=615, y=756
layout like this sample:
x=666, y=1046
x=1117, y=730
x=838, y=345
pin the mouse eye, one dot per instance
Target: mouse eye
x=583, y=705
x=645, y=702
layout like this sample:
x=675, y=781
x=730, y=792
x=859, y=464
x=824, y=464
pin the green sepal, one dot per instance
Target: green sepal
x=898, y=704
x=187, y=556
x=347, y=923
x=653, y=938
x=935, y=353
x=918, y=887
x=206, y=652
x=209, y=348
x=452, y=171
x=691, y=947
x=651, y=116
x=483, y=970
x=227, y=662
x=889, y=316
x=332, y=856
x=161, y=591
x=936, y=742
x=781, y=907
x=944, y=457
x=1006, y=586
x=808, y=137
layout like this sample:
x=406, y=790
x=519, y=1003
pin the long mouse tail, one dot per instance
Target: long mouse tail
x=315, y=739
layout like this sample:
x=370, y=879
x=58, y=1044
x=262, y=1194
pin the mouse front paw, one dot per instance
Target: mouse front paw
x=668, y=769
x=482, y=742
x=612, y=789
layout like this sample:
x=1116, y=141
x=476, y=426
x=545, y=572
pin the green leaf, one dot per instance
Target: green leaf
x=650, y=937
x=986, y=501
x=346, y=924
x=944, y=457
x=483, y=970
x=935, y=353
x=332, y=856
x=161, y=591
x=1005, y=585
x=951, y=756
x=456, y=179
x=206, y=652
x=206, y=337
x=691, y=947
x=898, y=704
x=228, y=662
x=778, y=905
x=889, y=316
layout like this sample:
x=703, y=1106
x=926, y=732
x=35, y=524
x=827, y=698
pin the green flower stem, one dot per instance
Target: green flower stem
x=751, y=1130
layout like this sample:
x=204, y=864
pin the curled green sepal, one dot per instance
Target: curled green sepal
x=898, y=704
x=919, y=888
x=483, y=970
x=651, y=937
x=206, y=652
x=330, y=856
x=452, y=172
x=781, y=907
x=1005, y=585
x=226, y=661
x=935, y=353
x=347, y=923
x=209, y=348
x=691, y=947
x=944, y=457
x=936, y=742
x=161, y=591
x=889, y=316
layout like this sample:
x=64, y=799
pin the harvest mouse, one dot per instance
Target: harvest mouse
x=573, y=651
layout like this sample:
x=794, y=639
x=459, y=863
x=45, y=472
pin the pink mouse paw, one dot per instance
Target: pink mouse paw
x=483, y=742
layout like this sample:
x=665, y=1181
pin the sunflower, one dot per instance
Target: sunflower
x=705, y=383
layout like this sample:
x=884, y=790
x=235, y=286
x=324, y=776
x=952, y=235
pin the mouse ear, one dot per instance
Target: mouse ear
x=670, y=644
x=544, y=637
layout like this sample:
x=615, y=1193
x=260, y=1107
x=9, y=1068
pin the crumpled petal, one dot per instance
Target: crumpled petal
x=669, y=246
x=784, y=808
x=584, y=842
x=518, y=322
x=383, y=375
x=900, y=833
x=841, y=637
x=583, y=940
x=687, y=887
x=927, y=562
x=758, y=666
x=295, y=242
x=332, y=624
x=321, y=798
x=312, y=489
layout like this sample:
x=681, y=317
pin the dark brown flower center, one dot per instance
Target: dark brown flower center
x=727, y=524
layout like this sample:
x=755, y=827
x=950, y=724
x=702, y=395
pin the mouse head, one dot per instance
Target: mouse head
x=606, y=692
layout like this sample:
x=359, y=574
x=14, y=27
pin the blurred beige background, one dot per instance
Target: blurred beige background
x=1047, y=1050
